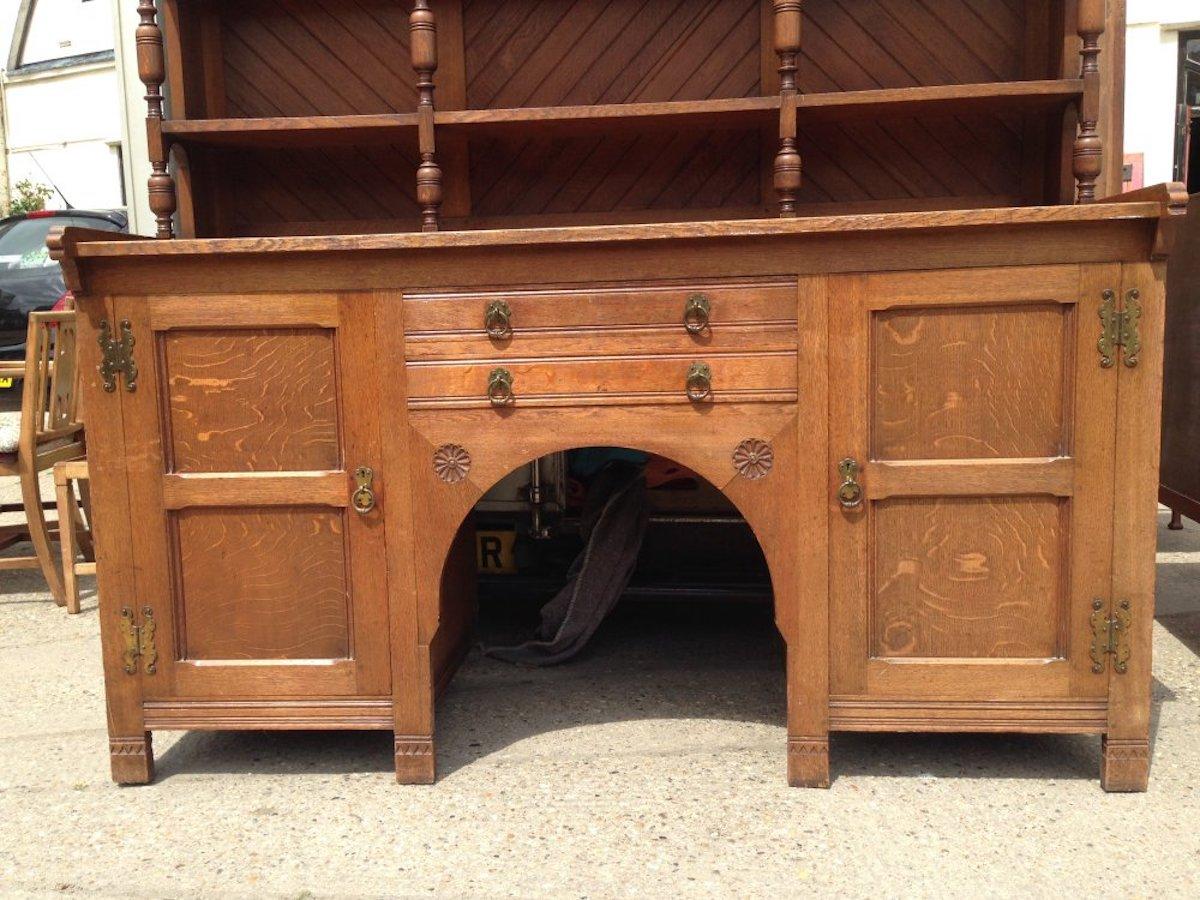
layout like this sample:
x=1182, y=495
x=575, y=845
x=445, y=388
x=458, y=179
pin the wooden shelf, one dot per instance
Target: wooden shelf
x=738, y=113
x=941, y=100
x=306, y=131
x=743, y=113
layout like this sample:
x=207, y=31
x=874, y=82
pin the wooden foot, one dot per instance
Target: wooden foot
x=415, y=762
x=808, y=762
x=132, y=759
x=1126, y=764
x=1176, y=523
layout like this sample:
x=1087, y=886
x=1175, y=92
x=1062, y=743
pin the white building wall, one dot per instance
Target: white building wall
x=64, y=130
x=131, y=95
x=1151, y=80
x=65, y=125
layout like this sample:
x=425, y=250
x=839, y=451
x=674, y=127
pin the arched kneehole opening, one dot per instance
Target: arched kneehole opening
x=611, y=585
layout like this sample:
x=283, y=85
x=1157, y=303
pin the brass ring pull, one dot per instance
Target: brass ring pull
x=363, y=499
x=500, y=387
x=699, y=382
x=696, y=312
x=850, y=494
x=497, y=320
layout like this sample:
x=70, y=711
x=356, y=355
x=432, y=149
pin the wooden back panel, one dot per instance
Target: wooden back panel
x=288, y=58
x=1180, y=473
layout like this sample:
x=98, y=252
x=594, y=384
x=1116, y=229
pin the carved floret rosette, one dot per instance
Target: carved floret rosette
x=451, y=463
x=753, y=458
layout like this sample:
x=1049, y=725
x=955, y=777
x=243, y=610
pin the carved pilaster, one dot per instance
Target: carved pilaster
x=424, y=62
x=787, y=161
x=1088, y=153
x=152, y=72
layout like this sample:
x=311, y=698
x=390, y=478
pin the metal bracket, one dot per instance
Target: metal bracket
x=1110, y=636
x=117, y=357
x=1120, y=328
x=139, y=641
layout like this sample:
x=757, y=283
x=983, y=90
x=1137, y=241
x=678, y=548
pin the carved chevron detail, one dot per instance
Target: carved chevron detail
x=128, y=747
x=410, y=745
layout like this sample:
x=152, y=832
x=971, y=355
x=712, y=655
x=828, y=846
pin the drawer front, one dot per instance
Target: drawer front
x=639, y=306
x=673, y=340
x=615, y=379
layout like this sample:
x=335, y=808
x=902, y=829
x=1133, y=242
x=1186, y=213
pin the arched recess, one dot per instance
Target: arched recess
x=487, y=444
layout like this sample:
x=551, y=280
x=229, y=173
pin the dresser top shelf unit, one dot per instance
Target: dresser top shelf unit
x=285, y=118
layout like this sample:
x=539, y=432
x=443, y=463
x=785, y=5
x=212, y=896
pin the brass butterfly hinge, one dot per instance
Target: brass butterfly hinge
x=117, y=357
x=1120, y=328
x=1110, y=636
x=139, y=641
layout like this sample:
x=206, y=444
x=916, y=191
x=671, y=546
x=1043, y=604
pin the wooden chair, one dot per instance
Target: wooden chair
x=72, y=539
x=49, y=431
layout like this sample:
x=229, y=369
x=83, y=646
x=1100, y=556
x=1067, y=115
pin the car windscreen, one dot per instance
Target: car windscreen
x=23, y=244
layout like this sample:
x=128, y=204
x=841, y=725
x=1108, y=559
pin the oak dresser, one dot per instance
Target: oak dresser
x=855, y=274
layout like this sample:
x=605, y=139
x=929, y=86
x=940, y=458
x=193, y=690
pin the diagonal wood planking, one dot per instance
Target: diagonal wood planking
x=555, y=53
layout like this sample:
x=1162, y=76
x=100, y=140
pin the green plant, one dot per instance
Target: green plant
x=29, y=196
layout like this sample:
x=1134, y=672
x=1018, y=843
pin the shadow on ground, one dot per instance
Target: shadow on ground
x=650, y=661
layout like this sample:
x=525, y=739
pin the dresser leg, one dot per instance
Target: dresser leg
x=132, y=759
x=1126, y=764
x=1176, y=523
x=415, y=761
x=808, y=762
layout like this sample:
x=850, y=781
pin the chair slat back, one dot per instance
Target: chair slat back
x=50, y=362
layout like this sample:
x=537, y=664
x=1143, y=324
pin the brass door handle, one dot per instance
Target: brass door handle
x=696, y=312
x=850, y=494
x=699, y=382
x=500, y=387
x=363, y=499
x=497, y=320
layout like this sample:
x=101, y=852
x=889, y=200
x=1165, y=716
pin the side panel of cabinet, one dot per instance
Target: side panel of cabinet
x=1139, y=420
x=250, y=420
x=128, y=742
x=982, y=422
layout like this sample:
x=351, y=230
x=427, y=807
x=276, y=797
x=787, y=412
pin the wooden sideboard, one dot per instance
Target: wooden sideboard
x=941, y=426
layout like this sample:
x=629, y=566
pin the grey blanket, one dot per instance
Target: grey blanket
x=614, y=525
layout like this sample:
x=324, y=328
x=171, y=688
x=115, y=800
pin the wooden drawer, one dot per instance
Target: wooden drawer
x=648, y=306
x=615, y=379
x=673, y=340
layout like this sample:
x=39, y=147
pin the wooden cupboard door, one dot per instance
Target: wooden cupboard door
x=976, y=407
x=251, y=418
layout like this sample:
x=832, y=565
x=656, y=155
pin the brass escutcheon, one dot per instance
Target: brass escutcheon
x=699, y=382
x=850, y=493
x=497, y=320
x=363, y=498
x=696, y=312
x=500, y=387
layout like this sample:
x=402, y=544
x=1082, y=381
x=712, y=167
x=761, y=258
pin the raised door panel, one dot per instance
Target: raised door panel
x=981, y=420
x=251, y=417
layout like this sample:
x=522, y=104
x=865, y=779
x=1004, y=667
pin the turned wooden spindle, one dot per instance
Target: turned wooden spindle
x=424, y=62
x=1089, y=147
x=152, y=72
x=787, y=161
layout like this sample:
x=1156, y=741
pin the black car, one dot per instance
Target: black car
x=29, y=279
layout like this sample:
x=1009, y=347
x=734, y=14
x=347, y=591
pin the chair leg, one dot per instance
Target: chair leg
x=68, y=515
x=85, y=533
x=39, y=534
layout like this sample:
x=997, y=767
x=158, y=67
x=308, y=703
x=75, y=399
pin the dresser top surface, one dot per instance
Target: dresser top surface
x=1145, y=207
